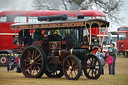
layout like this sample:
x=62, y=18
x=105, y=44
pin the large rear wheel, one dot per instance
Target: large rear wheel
x=72, y=67
x=33, y=62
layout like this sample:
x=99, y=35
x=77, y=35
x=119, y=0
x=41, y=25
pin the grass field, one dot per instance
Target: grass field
x=121, y=77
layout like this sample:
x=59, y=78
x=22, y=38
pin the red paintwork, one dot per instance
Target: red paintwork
x=38, y=13
x=95, y=31
x=121, y=31
x=123, y=48
x=95, y=13
x=6, y=41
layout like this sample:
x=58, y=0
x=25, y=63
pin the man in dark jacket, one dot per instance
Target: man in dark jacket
x=28, y=40
x=20, y=37
x=38, y=35
x=112, y=52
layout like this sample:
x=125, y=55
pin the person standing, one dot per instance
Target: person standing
x=101, y=56
x=112, y=52
x=38, y=35
x=11, y=63
x=17, y=62
x=109, y=61
x=27, y=37
x=20, y=37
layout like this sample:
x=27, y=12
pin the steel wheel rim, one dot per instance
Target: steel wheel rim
x=31, y=62
x=71, y=68
x=93, y=67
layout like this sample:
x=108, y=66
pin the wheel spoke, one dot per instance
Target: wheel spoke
x=28, y=68
x=89, y=71
x=73, y=62
x=95, y=61
x=35, y=52
x=37, y=57
x=67, y=69
x=38, y=63
x=56, y=72
x=26, y=60
x=36, y=69
x=33, y=71
x=95, y=72
x=28, y=57
x=92, y=72
x=71, y=74
x=92, y=62
x=32, y=54
x=76, y=67
x=89, y=62
x=75, y=72
x=29, y=54
x=68, y=63
x=27, y=64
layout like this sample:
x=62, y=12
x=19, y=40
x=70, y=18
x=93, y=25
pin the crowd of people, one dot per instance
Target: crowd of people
x=109, y=58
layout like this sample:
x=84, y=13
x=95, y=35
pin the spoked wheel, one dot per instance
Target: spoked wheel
x=94, y=67
x=58, y=74
x=72, y=67
x=33, y=62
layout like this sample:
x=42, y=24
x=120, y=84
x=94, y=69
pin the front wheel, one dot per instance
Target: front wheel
x=72, y=67
x=94, y=67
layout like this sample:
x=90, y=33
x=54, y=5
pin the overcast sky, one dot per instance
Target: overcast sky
x=124, y=14
x=26, y=5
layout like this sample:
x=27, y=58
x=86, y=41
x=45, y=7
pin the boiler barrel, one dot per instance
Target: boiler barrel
x=78, y=52
x=51, y=18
